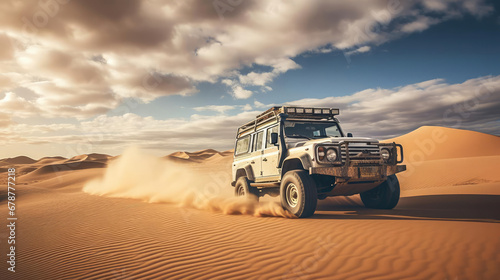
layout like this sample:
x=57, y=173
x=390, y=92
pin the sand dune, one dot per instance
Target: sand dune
x=227, y=153
x=180, y=155
x=17, y=160
x=98, y=157
x=199, y=156
x=206, y=151
x=433, y=142
x=64, y=167
x=47, y=167
x=439, y=157
x=78, y=158
x=446, y=225
x=216, y=157
x=51, y=160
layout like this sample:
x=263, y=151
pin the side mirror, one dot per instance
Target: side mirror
x=349, y=134
x=274, y=138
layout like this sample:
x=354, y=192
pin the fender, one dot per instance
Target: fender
x=304, y=159
x=247, y=170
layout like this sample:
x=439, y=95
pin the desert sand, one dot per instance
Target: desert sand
x=143, y=217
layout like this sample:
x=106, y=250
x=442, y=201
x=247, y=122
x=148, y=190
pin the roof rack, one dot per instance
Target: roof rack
x=268, y=115
x=291, y=111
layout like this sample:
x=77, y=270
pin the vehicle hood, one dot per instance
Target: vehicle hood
x=301, y=142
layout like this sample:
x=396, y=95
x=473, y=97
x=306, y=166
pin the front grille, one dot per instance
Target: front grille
x=361, y=151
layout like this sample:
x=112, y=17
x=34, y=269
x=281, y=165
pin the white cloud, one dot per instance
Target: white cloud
x=241, y=93
x=216, y=108
x=260, y=105
x=149, y=49
x=17, y=106
x=263, y=78
x=105, y=133
x=247, y=107
x=390, y=112
x=227, y=82
x=362, y=49
x=477, y=8
x=419, y=25
x=258, y=79
x=381, y=113
x=5, y=120
x=436, y=5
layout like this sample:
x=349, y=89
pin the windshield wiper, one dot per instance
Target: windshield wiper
x=298, y=136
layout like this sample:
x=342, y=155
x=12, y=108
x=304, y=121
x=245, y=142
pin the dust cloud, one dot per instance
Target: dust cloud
x=138, y=175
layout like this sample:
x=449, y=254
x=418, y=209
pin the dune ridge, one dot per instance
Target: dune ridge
x=47, y=167
x=440, y=157
x=17, y=160
x=198, y=157
x=434, y=142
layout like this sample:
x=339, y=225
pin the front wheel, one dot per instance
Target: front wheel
x=298, y=193
x=384, y=196
x=243, y=188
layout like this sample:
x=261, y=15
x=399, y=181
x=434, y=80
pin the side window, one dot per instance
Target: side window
x=242, y=145
x=273, y=129
x=258, y=141
x=333, y=131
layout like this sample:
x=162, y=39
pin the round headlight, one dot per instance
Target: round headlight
x=385, y=154
x=331, y=154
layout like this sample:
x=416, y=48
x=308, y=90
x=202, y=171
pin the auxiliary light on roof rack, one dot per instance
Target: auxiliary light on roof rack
x=272, y=115
x=304, y=111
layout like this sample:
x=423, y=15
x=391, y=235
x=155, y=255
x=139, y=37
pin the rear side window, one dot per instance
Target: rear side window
x=242, y=145
x=258, y=141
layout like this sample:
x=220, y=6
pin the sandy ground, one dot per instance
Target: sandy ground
x=149, y=218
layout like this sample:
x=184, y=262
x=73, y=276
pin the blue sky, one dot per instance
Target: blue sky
x=82, y=79
x=455, y=50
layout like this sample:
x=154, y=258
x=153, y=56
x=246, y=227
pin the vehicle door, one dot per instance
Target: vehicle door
x=256, y=155
x=270, y=156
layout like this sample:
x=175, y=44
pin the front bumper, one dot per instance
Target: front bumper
x=358, y=173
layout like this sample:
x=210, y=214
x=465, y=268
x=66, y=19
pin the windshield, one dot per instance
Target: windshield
x=312, y=130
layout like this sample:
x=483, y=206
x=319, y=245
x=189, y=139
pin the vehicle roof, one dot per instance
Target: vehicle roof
x=272, y=115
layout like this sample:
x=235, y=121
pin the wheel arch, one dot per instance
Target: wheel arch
x=244, y=171
x=300, y=162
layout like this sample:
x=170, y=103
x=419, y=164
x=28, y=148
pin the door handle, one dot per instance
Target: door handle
x=264, y=159
x=252, y=162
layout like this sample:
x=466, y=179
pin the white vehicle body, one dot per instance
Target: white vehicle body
x=310, y=140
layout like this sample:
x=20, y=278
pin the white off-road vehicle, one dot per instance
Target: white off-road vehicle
x=302, y=155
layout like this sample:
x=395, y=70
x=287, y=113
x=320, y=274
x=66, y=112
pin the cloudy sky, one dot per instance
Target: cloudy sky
x=98, y=76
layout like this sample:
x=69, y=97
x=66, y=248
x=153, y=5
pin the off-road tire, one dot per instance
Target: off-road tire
x=243, y=188
x=384, y=196
x=298, y=193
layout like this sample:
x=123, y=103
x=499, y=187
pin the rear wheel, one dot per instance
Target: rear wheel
x=298, y=193
x=243, y=188
x=384, y=196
